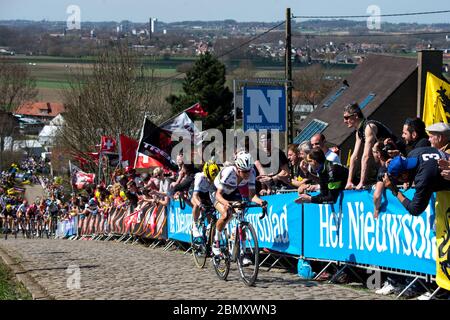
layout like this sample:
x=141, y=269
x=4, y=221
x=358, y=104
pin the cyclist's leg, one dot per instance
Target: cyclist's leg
x=195, y=215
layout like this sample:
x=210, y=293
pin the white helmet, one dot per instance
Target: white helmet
x=243, y=161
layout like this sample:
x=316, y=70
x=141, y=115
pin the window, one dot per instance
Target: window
x=334, y=97
x=315, y=126
x=367, y=100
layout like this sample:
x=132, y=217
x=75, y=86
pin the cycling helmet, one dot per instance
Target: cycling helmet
x=8, y=207
x=211, y=170
x=243, y=161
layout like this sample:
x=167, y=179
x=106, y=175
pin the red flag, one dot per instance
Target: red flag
x=197, y=110
x=128, y=148
x=144, y=161
x=108, y=144
x=80, y=178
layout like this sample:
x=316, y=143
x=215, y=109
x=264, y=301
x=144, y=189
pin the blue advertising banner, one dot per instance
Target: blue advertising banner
x=396, y=239
x=179, y=222
x=264, y=108
x=280, y=230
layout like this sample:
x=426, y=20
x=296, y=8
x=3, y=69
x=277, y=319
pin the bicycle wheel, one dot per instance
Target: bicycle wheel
x=199, y=248
x=248, y=259
x=222, y=262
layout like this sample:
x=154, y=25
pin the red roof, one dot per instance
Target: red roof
x=40, y=109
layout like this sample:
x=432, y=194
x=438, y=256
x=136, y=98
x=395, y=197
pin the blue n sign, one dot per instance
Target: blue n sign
x=264, y=108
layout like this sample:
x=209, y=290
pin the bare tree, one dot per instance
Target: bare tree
x=312, y=84
x=110, y=99
x=16, y=84
x=16, y=87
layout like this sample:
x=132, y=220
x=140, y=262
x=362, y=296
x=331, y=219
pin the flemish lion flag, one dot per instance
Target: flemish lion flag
x=436, y=107
x=443, y=239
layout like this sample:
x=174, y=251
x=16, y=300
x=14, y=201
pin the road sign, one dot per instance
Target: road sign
x=264, y=108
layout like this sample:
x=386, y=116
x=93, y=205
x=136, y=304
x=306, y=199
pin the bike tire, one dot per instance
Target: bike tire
x=221, y=262
x=198, y=251
x=249, y=272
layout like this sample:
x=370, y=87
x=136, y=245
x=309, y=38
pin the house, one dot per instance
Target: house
x=388, y=89
x=33, y=116
x=48, y=132
x=8, y=128
x=44, y=111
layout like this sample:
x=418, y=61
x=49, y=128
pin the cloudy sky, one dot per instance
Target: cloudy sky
x=240, y=10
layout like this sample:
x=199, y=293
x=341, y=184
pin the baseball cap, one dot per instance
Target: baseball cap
x=440, y=127
x=401, y=164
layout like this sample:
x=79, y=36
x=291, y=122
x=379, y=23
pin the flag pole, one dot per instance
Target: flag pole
x=177, y=114
x=140, y=140
x=70, y=170
x=120, y=151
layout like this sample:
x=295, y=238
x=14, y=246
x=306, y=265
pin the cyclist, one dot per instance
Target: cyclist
x=31, y=214
x=8, y=214
x=53, y=210
x=203, y=187
x=233, y=184
x=21, y=215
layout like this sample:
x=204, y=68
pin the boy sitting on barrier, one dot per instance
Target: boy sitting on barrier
x=332, y=178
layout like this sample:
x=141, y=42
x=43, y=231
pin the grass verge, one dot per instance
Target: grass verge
x=10, y=288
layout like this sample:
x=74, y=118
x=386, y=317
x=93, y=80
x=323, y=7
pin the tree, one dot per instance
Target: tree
x=205, y=83
x=109, y=99
x=16, y=84
x=16, y=87
x=312, y=84
x=244, y=71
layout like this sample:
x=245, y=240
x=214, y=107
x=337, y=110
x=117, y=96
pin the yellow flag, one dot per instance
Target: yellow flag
x=442, y=207
x=436, y=106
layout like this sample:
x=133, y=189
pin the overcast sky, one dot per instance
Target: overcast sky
x=240, y=10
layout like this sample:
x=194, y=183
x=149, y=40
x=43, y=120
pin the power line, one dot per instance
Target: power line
x=227, y=52
x=371, y=16
x=370, y=34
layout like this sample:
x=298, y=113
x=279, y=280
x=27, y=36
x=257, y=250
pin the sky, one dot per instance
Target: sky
x=207, y=10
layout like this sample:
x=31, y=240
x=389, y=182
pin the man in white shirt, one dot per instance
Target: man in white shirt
x=318, y=142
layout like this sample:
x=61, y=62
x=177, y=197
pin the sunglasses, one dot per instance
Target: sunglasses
x=349, y=116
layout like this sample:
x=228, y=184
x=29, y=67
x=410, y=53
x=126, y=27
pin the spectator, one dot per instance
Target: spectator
x=439, y=136
x=155, y=181
x=381, y=156
x=318, y=142
x=280, y=166
x=444, y=166
x=294, y=161
x=421, y=166
x=414, y=134
x=132, y=194
x=367, y=133
x=332, y=178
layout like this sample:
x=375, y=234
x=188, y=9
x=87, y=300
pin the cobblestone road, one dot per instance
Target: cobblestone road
x=110, y=270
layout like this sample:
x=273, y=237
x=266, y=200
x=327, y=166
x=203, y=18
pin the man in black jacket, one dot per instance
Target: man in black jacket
x=332, y=179
x=422, y=167
x=414, y=134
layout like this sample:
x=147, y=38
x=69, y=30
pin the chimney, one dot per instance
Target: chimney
x=427, y=61
x=49, y=108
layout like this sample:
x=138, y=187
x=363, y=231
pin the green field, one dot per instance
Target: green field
x=53, y=74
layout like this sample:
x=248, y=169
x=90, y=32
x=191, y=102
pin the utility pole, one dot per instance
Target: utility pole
x=289, y=135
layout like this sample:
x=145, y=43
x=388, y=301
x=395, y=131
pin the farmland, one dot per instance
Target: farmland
x=53, y=74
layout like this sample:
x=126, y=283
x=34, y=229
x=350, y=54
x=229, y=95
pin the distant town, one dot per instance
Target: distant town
x=335, y=41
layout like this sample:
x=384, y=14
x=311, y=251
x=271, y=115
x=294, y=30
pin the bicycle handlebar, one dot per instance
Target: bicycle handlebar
x=244, y=205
